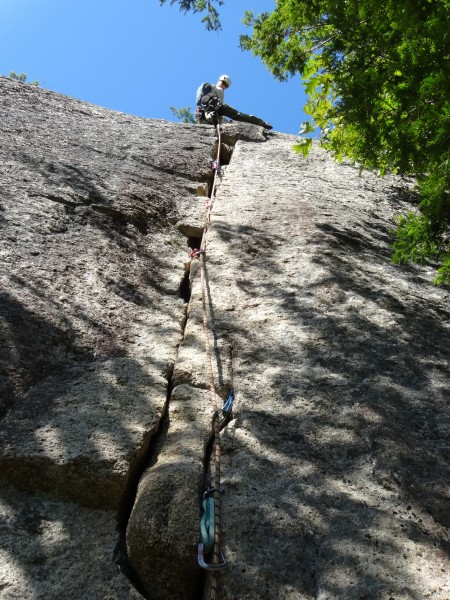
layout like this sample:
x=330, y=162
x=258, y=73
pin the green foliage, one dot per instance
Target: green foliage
x=426, y=236
x=414, y=241
x=211, y=18
x=184, y=114
x=22, y=77
x=376, y=75
x=377, y=79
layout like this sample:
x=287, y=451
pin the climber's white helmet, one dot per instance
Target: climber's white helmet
x=226, y=80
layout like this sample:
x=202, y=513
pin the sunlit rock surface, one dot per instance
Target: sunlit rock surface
x=335, y=466
x=90, y=315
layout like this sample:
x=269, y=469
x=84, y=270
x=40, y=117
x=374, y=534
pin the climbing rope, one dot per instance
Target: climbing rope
x=210, y=521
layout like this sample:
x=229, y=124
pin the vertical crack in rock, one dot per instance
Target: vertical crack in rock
x=120, y=553
x=94, y=202
x=171, y=467
x=184, y=290
x=156, y=443
x=162, y=533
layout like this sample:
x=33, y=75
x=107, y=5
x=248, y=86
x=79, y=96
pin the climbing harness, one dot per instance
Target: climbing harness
x=210, y=556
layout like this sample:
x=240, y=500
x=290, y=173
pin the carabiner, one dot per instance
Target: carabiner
x=210, y=567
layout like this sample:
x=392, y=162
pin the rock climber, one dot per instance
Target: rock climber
x=211, y=106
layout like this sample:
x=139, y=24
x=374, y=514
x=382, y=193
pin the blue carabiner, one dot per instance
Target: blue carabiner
x=228, y=406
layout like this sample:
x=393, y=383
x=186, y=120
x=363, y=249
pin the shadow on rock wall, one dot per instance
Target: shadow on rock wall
x=346, y=468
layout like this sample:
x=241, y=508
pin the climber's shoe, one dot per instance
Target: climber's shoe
x=267, y=126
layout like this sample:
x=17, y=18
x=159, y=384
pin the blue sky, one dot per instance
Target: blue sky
x=138, y=57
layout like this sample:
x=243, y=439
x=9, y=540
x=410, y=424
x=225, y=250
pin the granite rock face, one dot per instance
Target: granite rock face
x=163, y=530
x=92, y=268
x=93, y=254
x=335, y=466
x=52, y=550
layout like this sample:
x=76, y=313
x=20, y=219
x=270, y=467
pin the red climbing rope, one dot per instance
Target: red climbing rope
x=218, y=561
